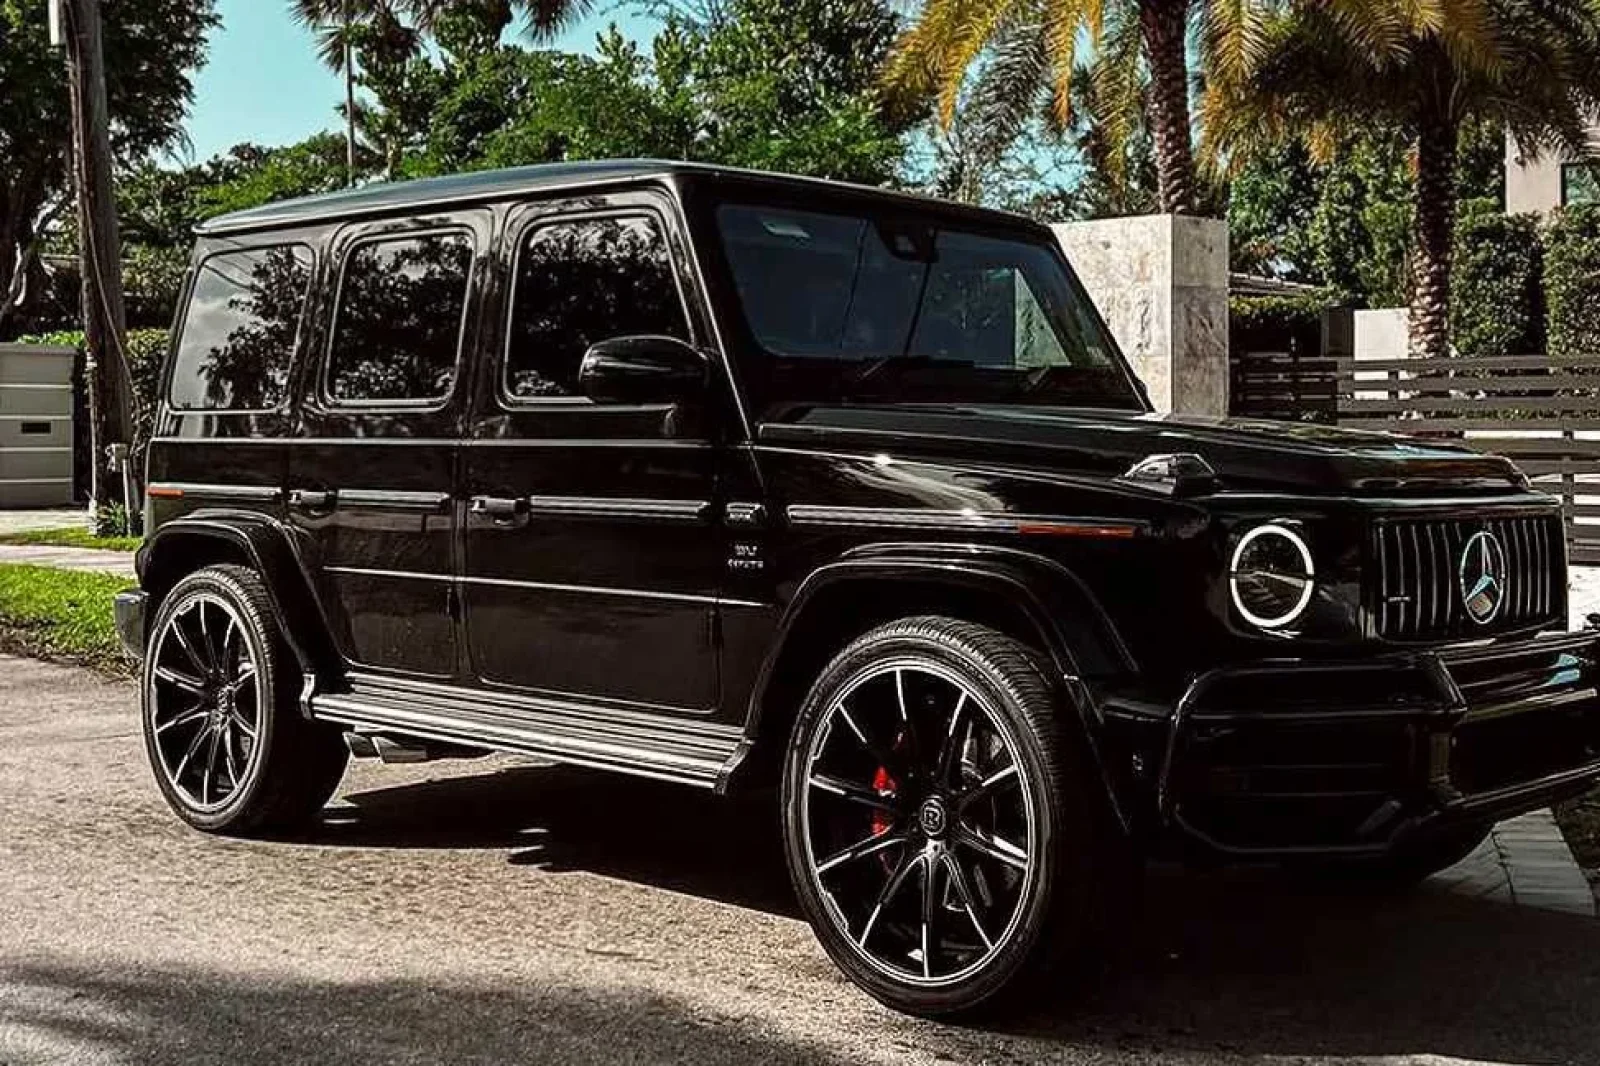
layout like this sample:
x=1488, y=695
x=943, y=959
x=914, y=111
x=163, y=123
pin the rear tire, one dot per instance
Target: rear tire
x=945, y=833
x=230, y=749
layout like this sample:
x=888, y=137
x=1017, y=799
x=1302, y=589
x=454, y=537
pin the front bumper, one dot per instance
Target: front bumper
x=129, y=611
x=1278, y=759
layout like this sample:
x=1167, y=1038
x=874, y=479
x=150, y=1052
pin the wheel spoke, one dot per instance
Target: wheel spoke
x=227, y=754
x=201, y=663
x=870, y=846
x=930, y=912
x=183, y=763
x=185, y=718
x=245, y=673
x=192, y=685
x=862, y=794
x=210, y=773
x=954, y=738
x=883, y=757
x=997, y=848
x=1001, y=778
x=244, y=727
x=958, y=879
x=891, y=888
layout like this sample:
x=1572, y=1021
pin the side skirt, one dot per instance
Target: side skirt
x=661, y=746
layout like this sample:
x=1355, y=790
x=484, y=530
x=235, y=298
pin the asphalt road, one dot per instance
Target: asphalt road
x=495, y=913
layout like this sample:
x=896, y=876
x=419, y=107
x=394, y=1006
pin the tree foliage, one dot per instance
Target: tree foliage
x=1330, y=72
x=152, y=48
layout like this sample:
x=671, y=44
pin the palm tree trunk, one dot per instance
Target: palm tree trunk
x=1437, y=141
x=1164, y=25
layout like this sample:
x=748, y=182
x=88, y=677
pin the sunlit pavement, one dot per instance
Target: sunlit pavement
x=490, y=913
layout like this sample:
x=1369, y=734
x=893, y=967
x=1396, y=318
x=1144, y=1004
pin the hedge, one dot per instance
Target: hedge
x=1496, y=291
x=1572, y=281
x=1278, y=323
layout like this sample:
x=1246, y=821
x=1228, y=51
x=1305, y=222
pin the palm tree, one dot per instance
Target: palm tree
x=1022, y=49
x=1322, y=74
x=398, y=27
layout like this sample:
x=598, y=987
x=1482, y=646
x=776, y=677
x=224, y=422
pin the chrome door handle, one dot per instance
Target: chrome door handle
x=311, y=499
x=501, y=510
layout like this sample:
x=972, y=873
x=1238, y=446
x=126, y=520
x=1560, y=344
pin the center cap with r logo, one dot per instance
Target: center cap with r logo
x=1483, y=577
x=931, y=817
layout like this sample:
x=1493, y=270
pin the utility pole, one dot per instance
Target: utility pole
x=100, y=250
x=349, y=102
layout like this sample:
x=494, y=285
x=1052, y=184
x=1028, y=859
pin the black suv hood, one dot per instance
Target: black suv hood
x=1246, y=455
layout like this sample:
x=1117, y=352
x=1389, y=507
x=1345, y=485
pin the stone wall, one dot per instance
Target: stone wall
x=1161, y=283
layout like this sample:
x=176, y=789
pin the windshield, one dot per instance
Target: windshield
x=846, y=308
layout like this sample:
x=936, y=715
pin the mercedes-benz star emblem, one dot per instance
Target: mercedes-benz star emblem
x=1483, y=577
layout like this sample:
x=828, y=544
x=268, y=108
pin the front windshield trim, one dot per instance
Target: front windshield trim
x=1097, y=378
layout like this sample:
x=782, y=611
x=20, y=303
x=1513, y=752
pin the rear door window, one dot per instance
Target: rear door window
x=397, y=327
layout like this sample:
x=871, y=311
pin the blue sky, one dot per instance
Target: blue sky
x=264, y=84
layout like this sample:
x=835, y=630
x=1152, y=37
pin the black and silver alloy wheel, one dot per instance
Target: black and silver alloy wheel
x=227, y=743
x=207, y=691
x=919, y=832
x=942, y=837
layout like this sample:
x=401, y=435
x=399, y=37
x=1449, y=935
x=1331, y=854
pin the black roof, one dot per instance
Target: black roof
x=456, y=189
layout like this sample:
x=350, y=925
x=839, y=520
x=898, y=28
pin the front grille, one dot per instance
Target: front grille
x=1418, y=594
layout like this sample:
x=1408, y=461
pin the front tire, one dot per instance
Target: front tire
x=943, y=836
x=230, y=750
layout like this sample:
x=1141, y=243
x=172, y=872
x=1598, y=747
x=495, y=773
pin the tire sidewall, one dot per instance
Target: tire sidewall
x=222, y=585
x=1001, y=694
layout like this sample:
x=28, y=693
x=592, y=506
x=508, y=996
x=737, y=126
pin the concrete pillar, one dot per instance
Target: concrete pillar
x=1161, y=283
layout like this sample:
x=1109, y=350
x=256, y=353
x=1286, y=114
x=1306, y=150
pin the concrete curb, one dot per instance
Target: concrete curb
x=85, y=559
x=1526, y=863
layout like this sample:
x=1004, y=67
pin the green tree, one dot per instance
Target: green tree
x=152, y=48
x=1427, y=70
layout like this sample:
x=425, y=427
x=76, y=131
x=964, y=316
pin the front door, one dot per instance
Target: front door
x=372, y=474
x=592, y=561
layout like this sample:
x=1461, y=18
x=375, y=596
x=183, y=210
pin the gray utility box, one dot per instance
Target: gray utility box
x=35, y=426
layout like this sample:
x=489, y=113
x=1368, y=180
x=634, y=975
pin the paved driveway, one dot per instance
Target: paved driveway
x=490, y=913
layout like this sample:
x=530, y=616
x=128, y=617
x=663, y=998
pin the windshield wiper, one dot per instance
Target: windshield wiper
x=900, y=362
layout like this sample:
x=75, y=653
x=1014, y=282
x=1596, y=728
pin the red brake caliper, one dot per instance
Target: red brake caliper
x=883, y=785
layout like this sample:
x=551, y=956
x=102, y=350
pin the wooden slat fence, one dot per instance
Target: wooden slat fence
x=1283, y=386
x=1542, y=412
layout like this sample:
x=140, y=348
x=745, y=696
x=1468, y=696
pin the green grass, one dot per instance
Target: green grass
x=72, y=537
x=61, y=614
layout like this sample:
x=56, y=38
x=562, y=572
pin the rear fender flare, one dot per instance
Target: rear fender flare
x=267, y=546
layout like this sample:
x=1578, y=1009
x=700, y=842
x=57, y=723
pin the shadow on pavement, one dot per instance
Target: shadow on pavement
x=1232, y=963
x=63, y=1013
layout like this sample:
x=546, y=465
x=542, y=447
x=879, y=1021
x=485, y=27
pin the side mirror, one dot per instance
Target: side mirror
x=643, y=369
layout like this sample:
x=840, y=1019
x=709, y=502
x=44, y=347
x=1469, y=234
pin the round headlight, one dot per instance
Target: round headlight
x=1271, y=576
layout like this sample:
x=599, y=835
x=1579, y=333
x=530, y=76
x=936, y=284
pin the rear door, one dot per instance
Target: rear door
x=592, y=561
x=372, y=473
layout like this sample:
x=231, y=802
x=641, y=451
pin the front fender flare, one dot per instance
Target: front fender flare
x=1073, y=629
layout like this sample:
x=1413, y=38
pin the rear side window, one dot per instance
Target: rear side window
x=580, y=282
x=239, y=330
x=397, y=329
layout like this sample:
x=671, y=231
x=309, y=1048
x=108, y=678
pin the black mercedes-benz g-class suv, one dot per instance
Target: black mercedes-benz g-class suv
x=735, y=480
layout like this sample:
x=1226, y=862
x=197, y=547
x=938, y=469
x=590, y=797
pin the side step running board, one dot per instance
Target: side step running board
x=662, y=746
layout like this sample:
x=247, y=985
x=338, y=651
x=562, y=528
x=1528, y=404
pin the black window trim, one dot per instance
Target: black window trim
x=507, y=400
x=176, y=343
x=325, y=394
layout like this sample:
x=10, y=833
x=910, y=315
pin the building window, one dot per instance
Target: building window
x=239, y=330
x=1580, y=184
x=397, y=330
